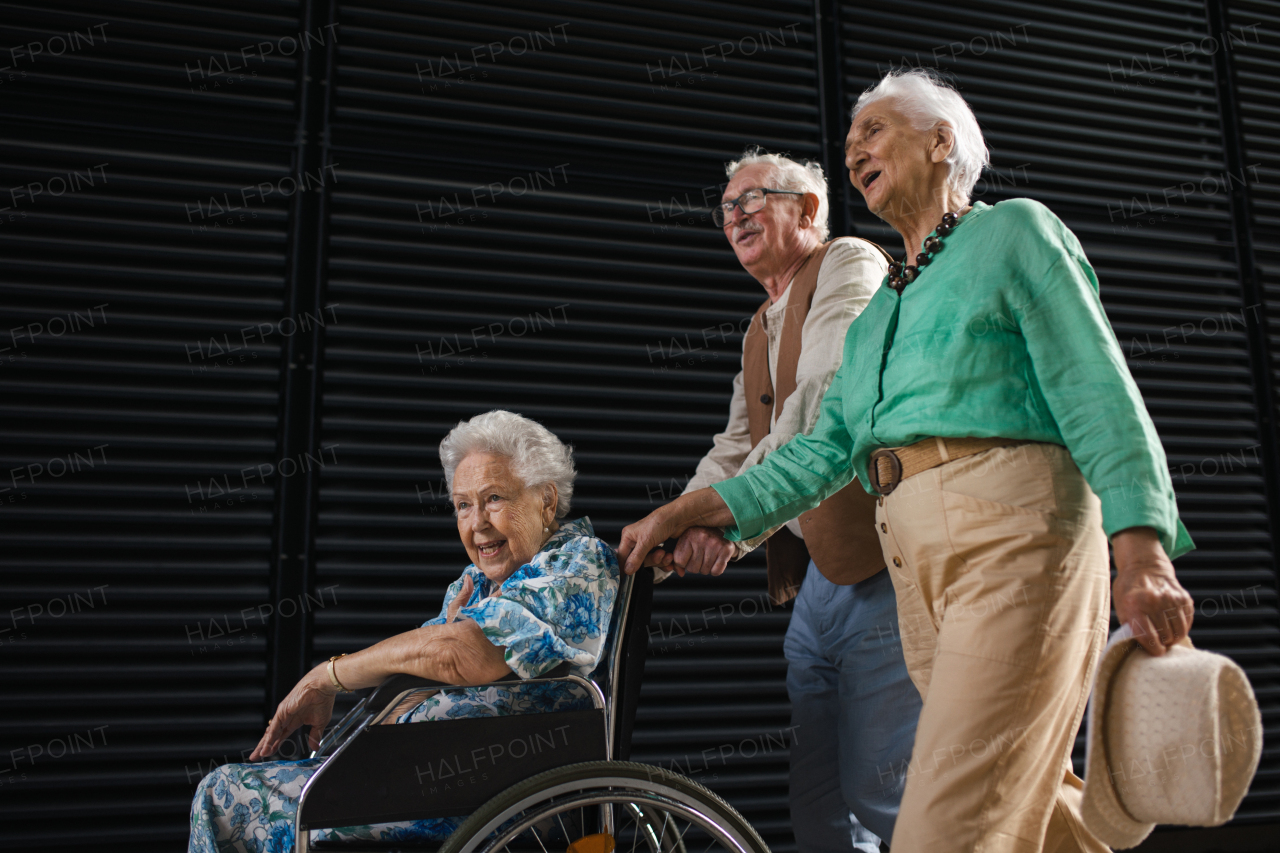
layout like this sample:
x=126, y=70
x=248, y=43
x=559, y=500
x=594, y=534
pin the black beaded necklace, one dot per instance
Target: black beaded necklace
x=901, y=275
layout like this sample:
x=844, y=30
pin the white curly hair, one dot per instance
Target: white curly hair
x=537, y=456
x=929, y=101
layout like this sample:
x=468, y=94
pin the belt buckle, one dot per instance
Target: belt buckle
x=895, y=470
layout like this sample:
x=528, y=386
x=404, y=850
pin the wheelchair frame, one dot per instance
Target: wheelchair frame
x=373, y=709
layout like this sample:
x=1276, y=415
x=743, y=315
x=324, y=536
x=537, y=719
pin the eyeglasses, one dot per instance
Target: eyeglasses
x=751, y=201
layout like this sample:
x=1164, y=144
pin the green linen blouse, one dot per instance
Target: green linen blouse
x=1002, y=335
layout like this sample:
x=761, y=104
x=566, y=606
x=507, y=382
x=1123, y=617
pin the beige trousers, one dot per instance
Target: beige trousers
x=1002, y=575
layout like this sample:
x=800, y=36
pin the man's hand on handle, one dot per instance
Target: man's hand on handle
x=640, y=541
x=702, y=551
x=1146, y=593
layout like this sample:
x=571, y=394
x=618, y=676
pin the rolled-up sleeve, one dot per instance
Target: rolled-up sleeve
x=1094, y=401
x=850, y=275
x=796, y=477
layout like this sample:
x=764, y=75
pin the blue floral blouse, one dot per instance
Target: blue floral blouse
x=555, y=608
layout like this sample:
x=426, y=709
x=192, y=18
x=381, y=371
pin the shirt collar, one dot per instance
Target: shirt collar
x=568, y=530
x=979, y=207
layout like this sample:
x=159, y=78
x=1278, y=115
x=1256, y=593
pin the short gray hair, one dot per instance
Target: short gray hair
x=537, y=456
x=806, y=177
x=928, y=101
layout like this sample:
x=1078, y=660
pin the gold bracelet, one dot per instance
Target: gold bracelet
x=333, y=676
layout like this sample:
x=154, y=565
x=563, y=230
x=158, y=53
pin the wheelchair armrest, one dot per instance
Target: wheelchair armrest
x=387, y=692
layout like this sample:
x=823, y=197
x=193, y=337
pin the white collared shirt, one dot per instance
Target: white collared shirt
x=850, y=275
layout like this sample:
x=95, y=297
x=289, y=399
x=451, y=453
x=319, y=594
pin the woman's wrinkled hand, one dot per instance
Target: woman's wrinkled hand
x=310, y=703
x=1146, y=592
x=640, y=541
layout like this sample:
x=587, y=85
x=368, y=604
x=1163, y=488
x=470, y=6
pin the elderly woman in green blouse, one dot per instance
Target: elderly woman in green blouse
x=983, y=396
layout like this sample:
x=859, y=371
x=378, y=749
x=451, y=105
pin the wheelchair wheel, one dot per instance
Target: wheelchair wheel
x=603, y=806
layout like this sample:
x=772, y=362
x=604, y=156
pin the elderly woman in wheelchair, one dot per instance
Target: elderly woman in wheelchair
x=538, y=595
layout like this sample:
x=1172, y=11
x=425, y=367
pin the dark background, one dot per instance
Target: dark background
x=221, y=395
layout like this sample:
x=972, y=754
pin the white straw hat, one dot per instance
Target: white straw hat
x=1171, y=739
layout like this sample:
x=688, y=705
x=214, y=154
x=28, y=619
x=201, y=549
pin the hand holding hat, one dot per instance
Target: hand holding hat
x=1172, y=739
x=1146, y=592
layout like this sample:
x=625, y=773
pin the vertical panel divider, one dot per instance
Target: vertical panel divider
x=292, y=569
x=1252, y=292
x=829, y=69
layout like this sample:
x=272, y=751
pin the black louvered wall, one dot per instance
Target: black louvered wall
x=1248, y=36
x=1255, y=55
x=115, y=707
x=1258, y=69
x=503, y=205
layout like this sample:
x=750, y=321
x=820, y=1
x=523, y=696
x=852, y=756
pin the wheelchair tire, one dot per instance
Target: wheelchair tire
x=647, y=794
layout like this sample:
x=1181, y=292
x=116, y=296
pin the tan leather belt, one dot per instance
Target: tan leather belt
x=889, y=466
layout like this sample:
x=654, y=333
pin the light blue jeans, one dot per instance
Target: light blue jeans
x=854, y=709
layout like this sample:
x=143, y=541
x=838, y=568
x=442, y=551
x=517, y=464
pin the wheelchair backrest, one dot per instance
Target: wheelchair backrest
x=620, y=671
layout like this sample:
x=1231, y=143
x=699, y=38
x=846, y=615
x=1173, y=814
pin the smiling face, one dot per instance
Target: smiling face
x=766, y=242
x=899, y=170
x=500, y=520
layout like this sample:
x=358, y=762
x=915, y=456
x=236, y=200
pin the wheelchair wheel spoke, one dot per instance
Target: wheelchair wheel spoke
x=668, y=835
x=611, y=800
x=680, y=838
x=662, y=836
x=677, y=842
x=534, y=830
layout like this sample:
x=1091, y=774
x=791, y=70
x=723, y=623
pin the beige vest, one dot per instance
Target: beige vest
x=839, y=535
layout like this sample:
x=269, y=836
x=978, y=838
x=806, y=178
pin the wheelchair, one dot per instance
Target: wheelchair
x=569, y=788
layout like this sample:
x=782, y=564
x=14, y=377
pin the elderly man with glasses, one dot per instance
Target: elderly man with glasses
x=854, y=707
